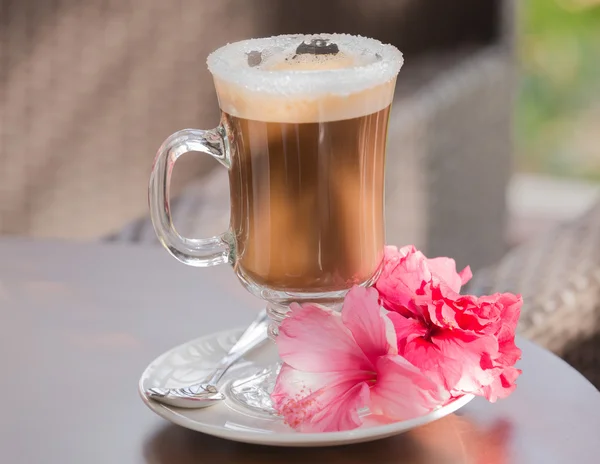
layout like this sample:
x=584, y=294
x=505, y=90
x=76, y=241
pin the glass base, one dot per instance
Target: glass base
x=253, y=393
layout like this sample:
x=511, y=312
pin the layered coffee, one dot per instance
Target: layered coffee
x=307, y=168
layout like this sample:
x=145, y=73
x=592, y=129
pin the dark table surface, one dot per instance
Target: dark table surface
x=80, y=322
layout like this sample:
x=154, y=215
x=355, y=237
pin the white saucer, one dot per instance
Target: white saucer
x=191, y=362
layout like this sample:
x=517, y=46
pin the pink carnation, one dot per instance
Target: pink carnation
x=465, y=343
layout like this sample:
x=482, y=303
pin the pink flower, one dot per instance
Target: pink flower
x=463, y=342
x=407, y=270
x=336, y=364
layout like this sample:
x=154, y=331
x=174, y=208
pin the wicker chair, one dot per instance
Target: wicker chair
x=88, y=90
x=558, y=275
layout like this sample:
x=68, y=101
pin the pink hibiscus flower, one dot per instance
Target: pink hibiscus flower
x=463, y=342
x=336, y=364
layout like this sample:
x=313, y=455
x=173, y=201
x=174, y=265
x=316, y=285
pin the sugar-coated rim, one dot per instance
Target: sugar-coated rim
x=226, y=65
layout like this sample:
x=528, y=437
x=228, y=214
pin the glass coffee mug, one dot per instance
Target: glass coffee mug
x=303, y=136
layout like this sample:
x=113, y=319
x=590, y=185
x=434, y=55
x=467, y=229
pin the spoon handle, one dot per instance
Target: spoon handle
x=254, y=335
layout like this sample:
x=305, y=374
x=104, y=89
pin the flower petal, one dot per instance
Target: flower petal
x=402, y=391
x=442, y=367
x=510, y=353
x=362, y=315
x=407, y=329
x=444, y=269
x=342, y=413
x=511, y=311
x=465, y=275
x=470, y=350
x=439, y=301
x=404, y=274
x=502, y=386
x=487, y=314
x=323, y=402
x=314, y=339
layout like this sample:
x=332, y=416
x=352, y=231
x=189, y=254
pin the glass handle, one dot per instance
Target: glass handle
x=199, y=252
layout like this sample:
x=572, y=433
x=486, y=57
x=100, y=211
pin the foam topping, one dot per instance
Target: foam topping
x=305, y=78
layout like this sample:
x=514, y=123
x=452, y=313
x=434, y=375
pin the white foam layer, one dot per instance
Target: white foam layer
x=265, y=80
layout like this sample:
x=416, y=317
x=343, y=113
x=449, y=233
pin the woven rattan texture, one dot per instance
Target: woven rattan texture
x=558, y=275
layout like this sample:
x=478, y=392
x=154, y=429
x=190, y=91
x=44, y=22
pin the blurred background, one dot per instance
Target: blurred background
x=493, y=153
x=557, y=112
